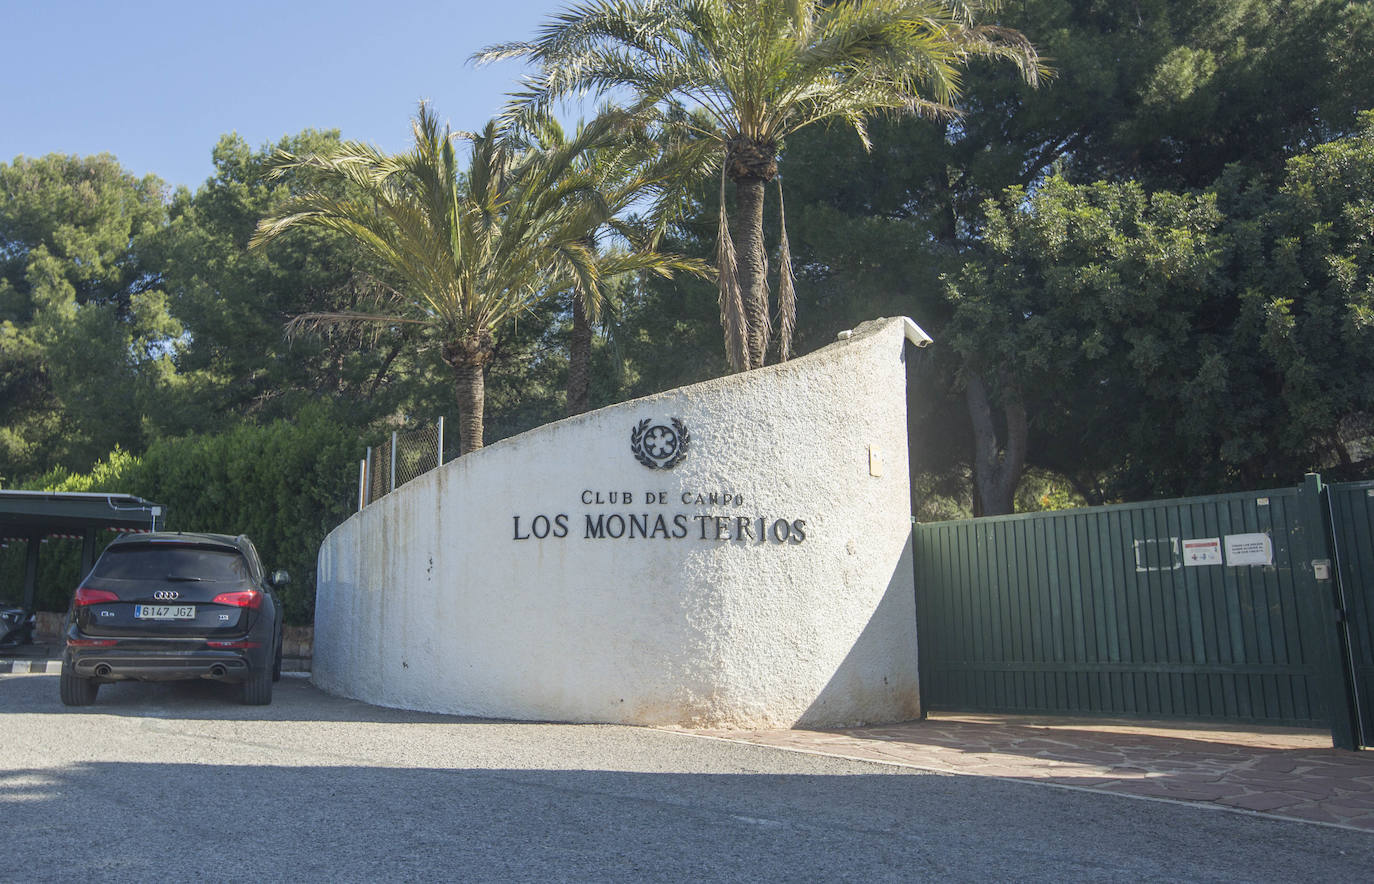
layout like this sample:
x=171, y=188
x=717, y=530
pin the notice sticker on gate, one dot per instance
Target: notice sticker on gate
x=1202, y=551
x=1249, y=549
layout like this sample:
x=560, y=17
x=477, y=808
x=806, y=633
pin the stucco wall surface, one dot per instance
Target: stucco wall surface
x=443, y=597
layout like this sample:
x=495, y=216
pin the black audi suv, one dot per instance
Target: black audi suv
x=166, y=607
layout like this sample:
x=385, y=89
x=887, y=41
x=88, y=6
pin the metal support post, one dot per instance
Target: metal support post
x=31, y=570
x=391, y=486
x=1325, y=613
x=439, y=455
x=87, y=551
x=362, y=483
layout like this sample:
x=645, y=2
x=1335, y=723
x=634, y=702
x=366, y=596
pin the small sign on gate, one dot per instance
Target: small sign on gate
x=1249, y=549
x=1202, y=551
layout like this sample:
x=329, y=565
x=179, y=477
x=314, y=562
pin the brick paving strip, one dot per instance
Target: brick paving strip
x=1288, y=773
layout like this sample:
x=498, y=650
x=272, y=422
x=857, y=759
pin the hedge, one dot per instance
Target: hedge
x=285, y=485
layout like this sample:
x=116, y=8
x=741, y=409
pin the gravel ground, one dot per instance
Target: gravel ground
x=179, y=782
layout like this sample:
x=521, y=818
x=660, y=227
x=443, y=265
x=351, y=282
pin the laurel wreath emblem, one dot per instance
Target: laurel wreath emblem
x=684, y=440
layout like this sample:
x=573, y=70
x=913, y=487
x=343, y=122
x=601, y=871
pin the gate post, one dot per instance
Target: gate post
x=1326, y=610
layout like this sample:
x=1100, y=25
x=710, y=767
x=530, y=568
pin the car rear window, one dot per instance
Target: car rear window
x=172, y=562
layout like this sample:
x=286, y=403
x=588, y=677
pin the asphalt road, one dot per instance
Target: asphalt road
x=180, y=782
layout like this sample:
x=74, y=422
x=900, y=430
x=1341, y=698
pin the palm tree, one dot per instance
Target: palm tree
x=748, y=73
x=640, y=168
x=466, y=252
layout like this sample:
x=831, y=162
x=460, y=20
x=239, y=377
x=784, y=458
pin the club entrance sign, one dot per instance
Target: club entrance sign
x=731, y=553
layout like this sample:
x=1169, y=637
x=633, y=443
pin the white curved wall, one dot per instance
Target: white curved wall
x=436, y=598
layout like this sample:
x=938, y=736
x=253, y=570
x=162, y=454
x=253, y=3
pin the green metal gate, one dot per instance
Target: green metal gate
x=1205, y=608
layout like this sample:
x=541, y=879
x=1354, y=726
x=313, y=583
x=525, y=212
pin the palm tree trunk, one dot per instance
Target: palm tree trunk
x=579, y=358
x=753, y=265
x=470, y=387
x=468, y=357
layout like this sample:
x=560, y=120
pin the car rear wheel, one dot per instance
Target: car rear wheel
x=77, y=691
x=257, y=690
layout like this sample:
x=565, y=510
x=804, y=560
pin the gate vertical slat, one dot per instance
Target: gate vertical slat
x=980, y=607
x=970, y=603
x=1135, y=614
x=1023, y=619
x=1279, y=696
x=1172, y=683
x=1109, y=581
x=1006, y=637
x=1277, y=616
x=1204, y=624
x=1044, y=547
x=1171, y=605
x=1004, y=571
x=1062, y=622
x=1262, y=605
x=1036, y=592
x=1283, y=525
x=1145, y=616
x=1075, y=686
x=1245, y=626
x=1032, y=594
x=964, y=601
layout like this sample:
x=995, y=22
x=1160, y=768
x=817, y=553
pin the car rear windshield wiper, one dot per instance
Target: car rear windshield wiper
x=181, y=578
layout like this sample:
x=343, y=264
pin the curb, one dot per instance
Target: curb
x=21, y=666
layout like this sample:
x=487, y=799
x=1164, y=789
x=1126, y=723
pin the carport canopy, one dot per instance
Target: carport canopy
x=33, y=516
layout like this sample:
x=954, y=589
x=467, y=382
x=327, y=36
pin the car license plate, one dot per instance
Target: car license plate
x=164, y=612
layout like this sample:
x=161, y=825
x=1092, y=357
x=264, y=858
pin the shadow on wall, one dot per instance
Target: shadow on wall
x=853, y=685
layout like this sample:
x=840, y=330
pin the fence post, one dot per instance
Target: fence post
x=370, y=468
x=391, y=486
x=439, y=455
x=362, y=484
x=1327, y=612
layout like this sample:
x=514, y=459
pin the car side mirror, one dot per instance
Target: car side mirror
x=280, y=578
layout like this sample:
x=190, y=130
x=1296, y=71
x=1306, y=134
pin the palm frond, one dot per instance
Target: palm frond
x=347, y=321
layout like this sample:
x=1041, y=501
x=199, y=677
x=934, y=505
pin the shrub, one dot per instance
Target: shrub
x=285, y=485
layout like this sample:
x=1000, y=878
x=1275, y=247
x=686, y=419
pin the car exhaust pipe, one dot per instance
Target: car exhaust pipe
x=102, y=670
x=217, y=671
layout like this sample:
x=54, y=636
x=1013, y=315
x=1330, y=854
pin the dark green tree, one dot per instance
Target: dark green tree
x=1164, y=344
x=86, y=340
x=1162, y=92
x=235, y=359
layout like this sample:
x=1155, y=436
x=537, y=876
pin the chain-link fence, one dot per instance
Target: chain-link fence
x=399, y=459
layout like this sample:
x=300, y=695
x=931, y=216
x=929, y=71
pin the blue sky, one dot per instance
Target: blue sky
x=157, y=83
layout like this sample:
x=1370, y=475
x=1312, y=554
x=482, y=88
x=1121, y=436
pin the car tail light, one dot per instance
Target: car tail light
x=248, y=598
x=234, y=644
x=90, y=642
x=86, y=596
